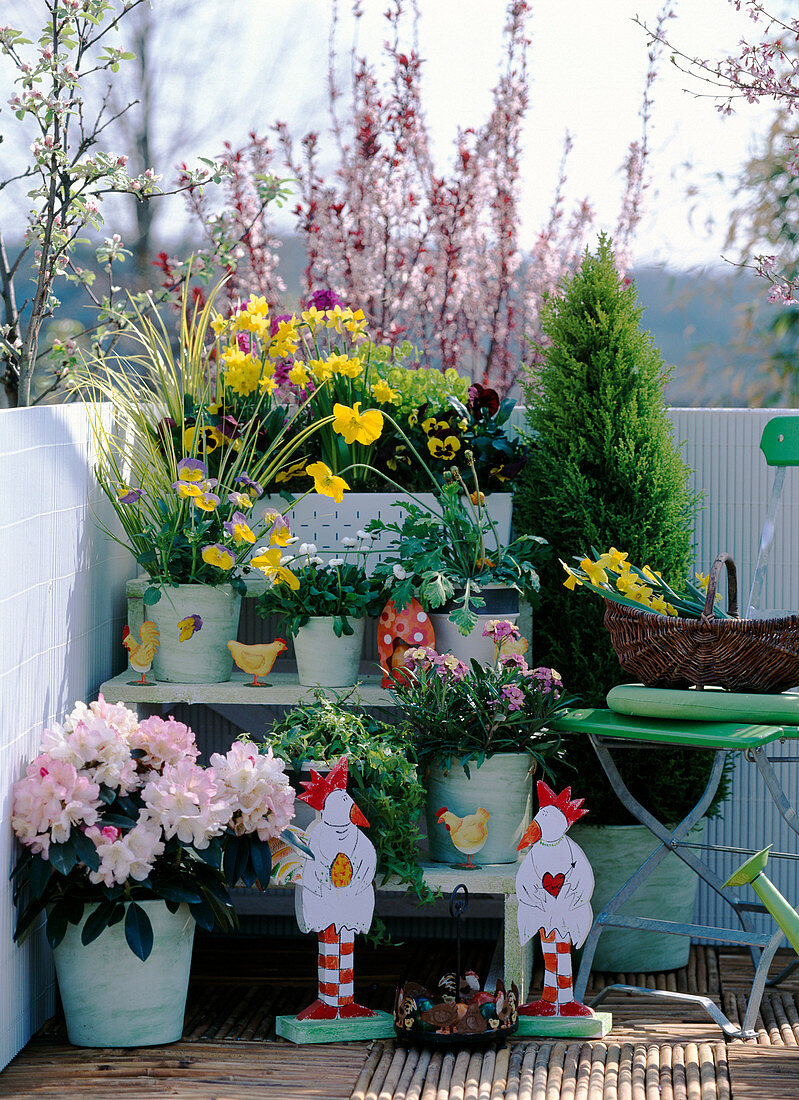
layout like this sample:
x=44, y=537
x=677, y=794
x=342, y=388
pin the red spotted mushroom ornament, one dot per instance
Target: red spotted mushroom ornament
x=399, y=631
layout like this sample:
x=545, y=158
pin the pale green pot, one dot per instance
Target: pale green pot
x=323, y=660
x=113, y=999
x=501, y=602
x=204, y=658
x=503, y=785
x=615, y=852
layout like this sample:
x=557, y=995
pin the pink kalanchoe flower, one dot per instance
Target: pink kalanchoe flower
x=164, y=741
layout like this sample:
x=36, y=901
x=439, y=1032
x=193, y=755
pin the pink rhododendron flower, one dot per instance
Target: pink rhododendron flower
x=124, y=856
x=49, y=800
x=116, y=715
x=164, y=741
x=186, y=801
x=257, y=789
x=97, y=748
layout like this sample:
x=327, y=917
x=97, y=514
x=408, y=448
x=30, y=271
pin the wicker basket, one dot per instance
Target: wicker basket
x=751, y=655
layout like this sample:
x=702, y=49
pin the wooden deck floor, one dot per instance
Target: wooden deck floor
x=656, y=1050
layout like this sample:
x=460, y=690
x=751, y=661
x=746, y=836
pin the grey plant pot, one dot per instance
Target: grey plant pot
x=615, y=852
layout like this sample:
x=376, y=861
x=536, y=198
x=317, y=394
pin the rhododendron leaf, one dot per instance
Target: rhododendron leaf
x=96, y=922
x=26, y=920
x=86, y=849
x=203, y=914
x=235, y=859
x=108, y=794
x=38, y=876
x=63, y=857
x=172, y=906
x=117, y=914
x=212, y=855
x=138, y=931
x=57, y=922
x=174, y=892
x=137, y=754
x=122, y=821
x=261, y=857
x=128, y=806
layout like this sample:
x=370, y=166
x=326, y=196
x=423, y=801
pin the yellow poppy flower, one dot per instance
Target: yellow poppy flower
x=355, y=426
x=326, y=482
x=269, y=562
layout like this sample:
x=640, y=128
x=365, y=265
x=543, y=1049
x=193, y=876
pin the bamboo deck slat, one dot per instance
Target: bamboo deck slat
x=656, y=1050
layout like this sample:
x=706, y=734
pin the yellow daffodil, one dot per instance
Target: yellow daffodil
x=613, y=560
x=269, y=562
x=702, y=580
x=257, y=306
x=219, y=324
x=356, y=325
x=571, y=581
x=335, y=318
x=326, y=482
x=355, y=426
x=343, y=364
x=381, y=391
x=298, y=375
x=218, y=556
x=313, y=317
x=321, y=369
x=595, y=573
x=267, y=384
x=651, y=575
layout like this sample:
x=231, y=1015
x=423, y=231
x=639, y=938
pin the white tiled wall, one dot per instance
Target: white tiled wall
x=61, y=614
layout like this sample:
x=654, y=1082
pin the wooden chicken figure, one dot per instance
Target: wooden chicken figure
x=141, y=653
x=399, y=631
x=468, y=833
x=335, y=898
x=554, y=884
x=256, y=660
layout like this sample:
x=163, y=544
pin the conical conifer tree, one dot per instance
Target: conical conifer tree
x=605, y=470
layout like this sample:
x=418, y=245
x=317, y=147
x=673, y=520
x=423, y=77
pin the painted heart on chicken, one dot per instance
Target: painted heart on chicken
x=553, y=883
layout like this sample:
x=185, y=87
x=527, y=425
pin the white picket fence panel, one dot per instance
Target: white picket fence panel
x=62, y=606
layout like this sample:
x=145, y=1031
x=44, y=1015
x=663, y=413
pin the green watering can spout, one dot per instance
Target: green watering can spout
x=782, y=911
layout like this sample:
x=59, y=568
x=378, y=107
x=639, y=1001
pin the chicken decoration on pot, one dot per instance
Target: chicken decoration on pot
x=334, y=897
x=554, y=885
x=141, y=653
x=458, y=1012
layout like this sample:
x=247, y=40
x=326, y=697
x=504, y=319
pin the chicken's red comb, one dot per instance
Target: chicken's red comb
x=570, y=808
x=320, y=786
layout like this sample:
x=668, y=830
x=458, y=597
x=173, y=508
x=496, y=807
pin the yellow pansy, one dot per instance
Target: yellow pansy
x=269, y=562
x=202, y=439
x=428, y=425
x=218, y=555
x=239, y=530
x=326, y=482
x=355, y=426
x=381, y=391
x=444, y=448
x=206, y=501
x=187, y=489
x=298, y=375
x=594, y=571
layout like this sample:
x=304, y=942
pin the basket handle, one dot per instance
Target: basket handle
x=732, y=587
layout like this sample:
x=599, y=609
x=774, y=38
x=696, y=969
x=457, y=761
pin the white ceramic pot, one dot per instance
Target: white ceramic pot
x=503, y=786
x=501, y=603
x=113, y=999
x=204, y=658
x=323, y=660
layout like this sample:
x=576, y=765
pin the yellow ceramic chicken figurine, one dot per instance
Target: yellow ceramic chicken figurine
x=141, y=654
x=468, y=833
x=257, y=660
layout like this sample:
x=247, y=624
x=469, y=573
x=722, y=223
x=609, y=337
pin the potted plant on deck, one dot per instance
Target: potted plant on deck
x=127, y=844
x=480, y=734
x=197, y=437
x=326, y=610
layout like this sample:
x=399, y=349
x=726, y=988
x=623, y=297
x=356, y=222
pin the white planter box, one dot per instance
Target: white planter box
x=318, y=519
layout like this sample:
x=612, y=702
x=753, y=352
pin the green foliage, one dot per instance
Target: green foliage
x=604, y=471
x=382, y=778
